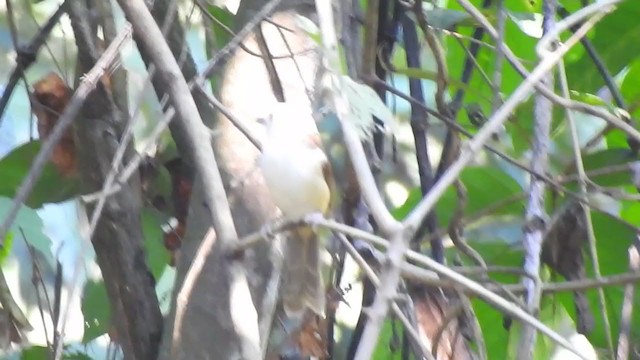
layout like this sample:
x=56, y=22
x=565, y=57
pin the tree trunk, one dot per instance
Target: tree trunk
x=247, y=92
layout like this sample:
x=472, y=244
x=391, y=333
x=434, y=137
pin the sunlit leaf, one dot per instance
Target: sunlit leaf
x=529, y=23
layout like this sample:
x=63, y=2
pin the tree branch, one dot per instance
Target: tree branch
x=199, y=148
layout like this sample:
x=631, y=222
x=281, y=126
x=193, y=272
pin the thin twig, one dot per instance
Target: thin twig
x=87, y=85
x=463, y=282
x=184, y=294
x=239, y=124
x=601, y=6
x=455, y=227
x=207, y=14
x=38, y=276
x=492, y=125
x=423, y=275
x=368, y=271
x=365, y=178
x=499, y=55
x=551, y=182
x=451, y=315
x=27, y=55
x=266, y=10
x=419, y=119
x=582, y=185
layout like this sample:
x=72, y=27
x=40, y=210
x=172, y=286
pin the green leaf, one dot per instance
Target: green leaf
x=552, y=314
x=494, y=333
x=95, y=308
x=441, y=18
x=157, y=255
x=616, y=41
x=444, y=207
x=630, y=89
x=588, y=98
x=51, y=187
x=40, y=352
x=599, y=162
x=29, y=223
x=613, y=241
x=224, y=19
x=364, y=103
x=524, y=5
x=529, y=23
x=433, y=76
x=35, y=353
x=520, y=43
x=310, y=28
x=6, y=247
x=390, y=342
x=486, y=187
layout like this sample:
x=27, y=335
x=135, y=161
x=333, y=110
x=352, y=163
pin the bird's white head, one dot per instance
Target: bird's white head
x=289, y=120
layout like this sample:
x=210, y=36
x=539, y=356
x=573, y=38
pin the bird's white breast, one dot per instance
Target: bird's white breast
x=293, y=172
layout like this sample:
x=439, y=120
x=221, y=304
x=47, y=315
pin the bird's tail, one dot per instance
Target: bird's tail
x=302, y=285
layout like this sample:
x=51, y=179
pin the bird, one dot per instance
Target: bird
x=298, y=175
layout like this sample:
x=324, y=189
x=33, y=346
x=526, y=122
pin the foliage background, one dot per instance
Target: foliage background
x=51, y=225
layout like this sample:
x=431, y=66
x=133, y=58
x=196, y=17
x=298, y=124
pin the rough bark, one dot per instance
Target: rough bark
x=118, y=236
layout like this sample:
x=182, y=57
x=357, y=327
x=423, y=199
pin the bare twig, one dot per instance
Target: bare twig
x=429, y=277
x=419, y=119
x=269, y=303
x=452, y=313
x=184, y=294
x=235, y=42
x=499, y=55
x=203, y=9
x=25, y=55
x=436, y=49
x=535, y=214
x=461, y=281
x=492, y=125
x=37, y=279
x=415, y=336
x=455, y=227
x=557, y=185
x=602, y=6
x=238, y=123
x=367, y=183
